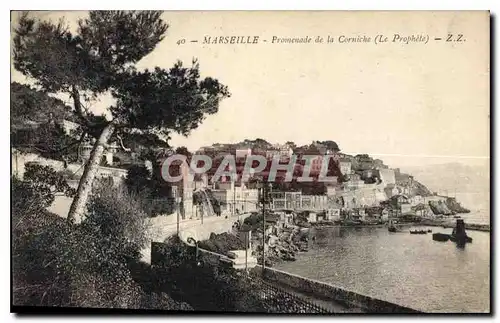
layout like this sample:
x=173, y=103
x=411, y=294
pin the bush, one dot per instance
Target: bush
x=139, y=179
x=36, y=191
x=207, y=287
x=116, y=222
x=85, y=265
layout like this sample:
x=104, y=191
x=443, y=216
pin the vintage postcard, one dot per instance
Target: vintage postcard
x=250, y=161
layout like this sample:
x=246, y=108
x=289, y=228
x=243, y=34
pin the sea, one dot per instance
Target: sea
x=403, y=268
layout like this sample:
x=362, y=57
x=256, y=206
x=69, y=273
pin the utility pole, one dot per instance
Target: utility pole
x=263, y=226
x=17, y=162
x=178, y=207
x=202, y=206
x=234, y=197
x=246, y=251
x=265, y=200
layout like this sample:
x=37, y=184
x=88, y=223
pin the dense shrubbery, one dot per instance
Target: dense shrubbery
x=89, y=264
x=206, y=286
x=149, y=189
x=48, y=139
x=253, y=219
x=38, y=188
x=222, y=243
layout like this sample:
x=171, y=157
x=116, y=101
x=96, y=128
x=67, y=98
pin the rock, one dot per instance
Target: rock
x=455, y=206
x=439, y=208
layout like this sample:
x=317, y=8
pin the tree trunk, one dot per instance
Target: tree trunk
x=85, y=185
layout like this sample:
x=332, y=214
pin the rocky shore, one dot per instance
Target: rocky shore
x=448, y=207
x=281, y=245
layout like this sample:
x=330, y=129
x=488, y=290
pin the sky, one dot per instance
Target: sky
x=408, y=104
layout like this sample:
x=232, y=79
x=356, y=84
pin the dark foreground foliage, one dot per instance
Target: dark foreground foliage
x=92, y=264
x=204, y=282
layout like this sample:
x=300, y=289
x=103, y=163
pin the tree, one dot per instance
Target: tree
x=291, y=144
x=28, y=104
x=36, y=191
x=36, y=124
x=329, y=144
x=138, y=179
x=100, y=59
x=183, y=151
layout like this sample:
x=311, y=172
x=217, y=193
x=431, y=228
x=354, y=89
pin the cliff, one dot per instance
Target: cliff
x=440, y=208
x=403, y=179
x=455, y=206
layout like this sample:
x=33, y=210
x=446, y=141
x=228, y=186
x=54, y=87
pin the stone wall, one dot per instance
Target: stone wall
x=162, y=227
x=327, y=292
x=19, y=161
x=387, y=176
x=372, y=195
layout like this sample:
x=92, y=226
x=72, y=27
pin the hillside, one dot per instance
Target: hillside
x=27, y=104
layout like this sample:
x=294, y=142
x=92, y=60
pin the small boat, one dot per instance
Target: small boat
x=457, y=216
x=350, y=222
x=440, y=237
x=418, y=232
x=392, y=227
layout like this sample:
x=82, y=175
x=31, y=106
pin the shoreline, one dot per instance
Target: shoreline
x=468, y=226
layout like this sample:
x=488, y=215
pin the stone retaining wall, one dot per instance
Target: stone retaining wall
x=326, y=291
x=162, y=227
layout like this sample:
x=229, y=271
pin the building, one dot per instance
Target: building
x=109, y=152
x=416, y=200
x=385, y=215
x=369, y=173
x=401, y=203
x=20, y=160
x=406, y=208
x=332, y=188
x=333, y=212
x=236, y=199
x=284, y=150
x=312, y=217
x=278, y=151
x=354, y=183
x=316, y=164
x=387, y=176
x=362, y=213
x=182, y=190
x=243, y=152
x=345, y=166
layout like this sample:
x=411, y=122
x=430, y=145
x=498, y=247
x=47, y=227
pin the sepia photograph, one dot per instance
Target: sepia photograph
x=261, y=162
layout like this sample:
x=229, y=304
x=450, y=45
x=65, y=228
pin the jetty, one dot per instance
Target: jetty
x=458, y=235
